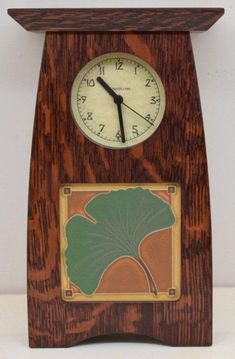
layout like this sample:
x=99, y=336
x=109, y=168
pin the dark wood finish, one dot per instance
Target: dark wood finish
x=162, y=19
x=61, y=154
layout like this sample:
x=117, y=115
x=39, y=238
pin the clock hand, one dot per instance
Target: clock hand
x=137, y=113
x=121, y=121
x=118, y=100
x=107, y=87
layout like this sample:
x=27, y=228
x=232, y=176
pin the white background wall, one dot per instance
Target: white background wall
x=20, y=56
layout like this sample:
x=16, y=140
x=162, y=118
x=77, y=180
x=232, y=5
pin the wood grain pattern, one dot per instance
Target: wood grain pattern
x=61, y=154
x=162, y=19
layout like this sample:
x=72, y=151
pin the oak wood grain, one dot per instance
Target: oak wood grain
x=61, y=154
x=129, y=19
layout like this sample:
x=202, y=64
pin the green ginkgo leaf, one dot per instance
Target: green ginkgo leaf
x=121, y=220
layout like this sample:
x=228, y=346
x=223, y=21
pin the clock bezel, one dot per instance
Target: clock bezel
x=79, y=121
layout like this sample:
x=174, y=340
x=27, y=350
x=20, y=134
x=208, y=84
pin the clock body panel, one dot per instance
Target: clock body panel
x=61, y=155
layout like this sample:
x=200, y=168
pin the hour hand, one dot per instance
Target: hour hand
x=106, y=87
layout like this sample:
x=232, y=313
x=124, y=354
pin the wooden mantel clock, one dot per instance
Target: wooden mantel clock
x=119, y=238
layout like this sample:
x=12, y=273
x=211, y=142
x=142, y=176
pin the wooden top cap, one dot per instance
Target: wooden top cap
x=130, y=19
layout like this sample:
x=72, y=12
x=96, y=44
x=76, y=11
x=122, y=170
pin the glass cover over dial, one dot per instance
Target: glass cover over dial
x=117, y=100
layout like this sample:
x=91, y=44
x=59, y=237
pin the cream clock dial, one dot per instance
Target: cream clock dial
x=117, y=100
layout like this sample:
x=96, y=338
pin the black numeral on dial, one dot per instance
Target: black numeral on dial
x=81, y=99
x=118, y=135
x=101, y=69
x=148, y=117
x=101, y=126
x=119, y=65
x=135, y=129
x=154, y=100
x=136, y=69
x=90, y=82
x=148, y=82
x=89, y=116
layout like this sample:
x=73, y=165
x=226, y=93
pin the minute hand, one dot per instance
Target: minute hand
x=118, y=101
x=121, y=122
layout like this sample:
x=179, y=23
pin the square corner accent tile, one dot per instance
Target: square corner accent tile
x=120, y=242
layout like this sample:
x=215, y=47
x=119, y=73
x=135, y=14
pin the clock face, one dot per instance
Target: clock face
x=117, y=100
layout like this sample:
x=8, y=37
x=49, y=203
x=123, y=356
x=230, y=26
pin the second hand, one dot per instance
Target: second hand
x=123, y=103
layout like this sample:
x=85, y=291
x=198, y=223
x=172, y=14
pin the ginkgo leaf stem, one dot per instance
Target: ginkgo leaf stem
x=152, y=285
